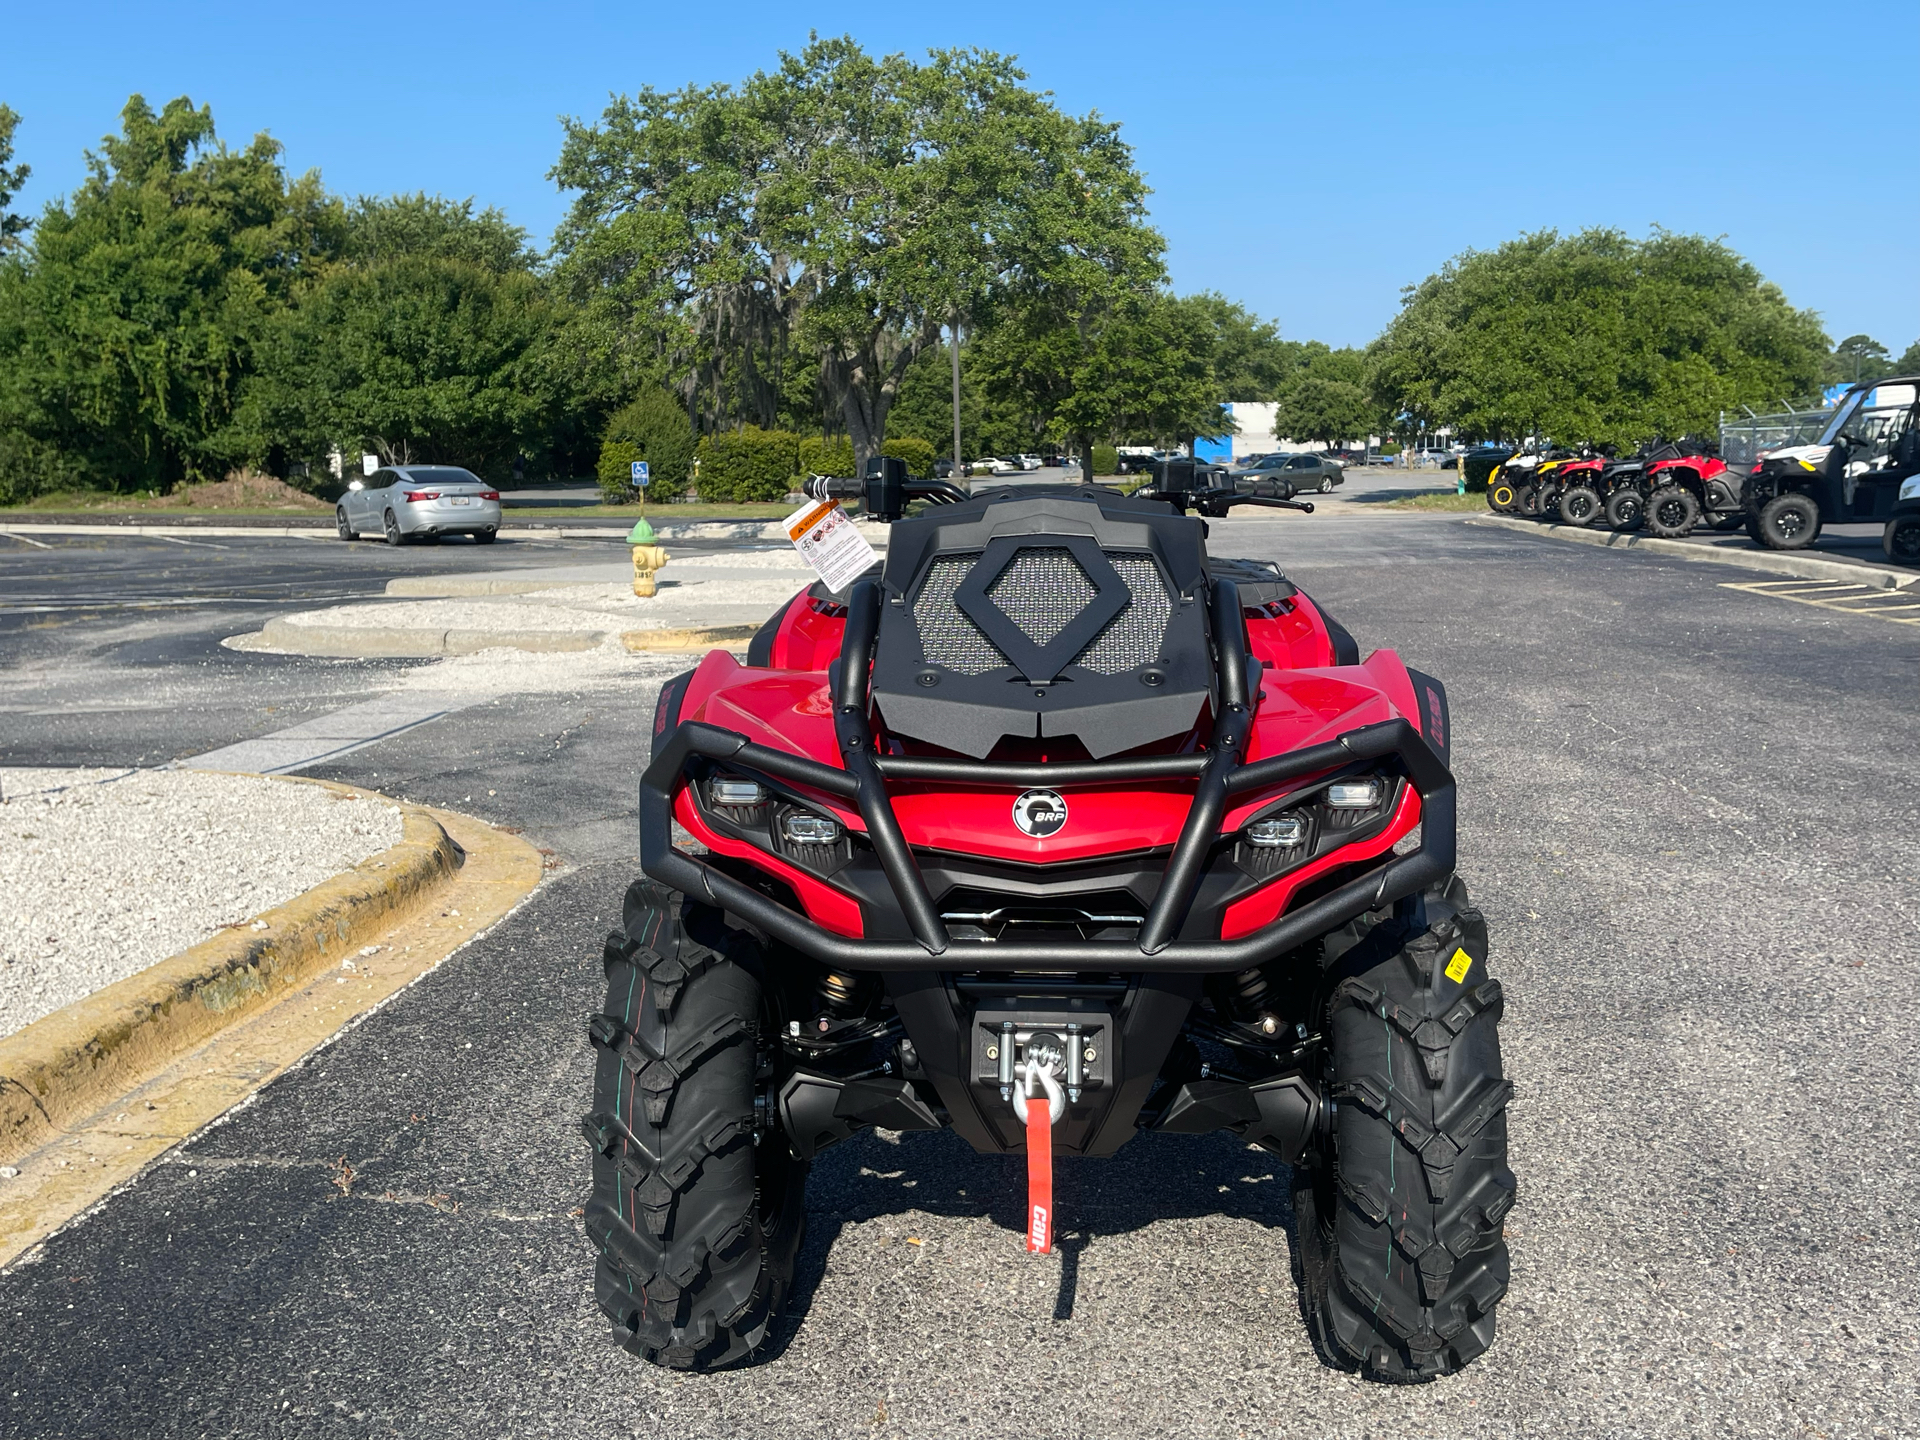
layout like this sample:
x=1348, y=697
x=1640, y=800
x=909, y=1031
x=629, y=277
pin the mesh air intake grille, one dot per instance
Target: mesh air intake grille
x=1041, y=592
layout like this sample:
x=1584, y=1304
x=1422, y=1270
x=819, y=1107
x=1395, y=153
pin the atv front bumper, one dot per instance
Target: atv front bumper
x=1219, y=774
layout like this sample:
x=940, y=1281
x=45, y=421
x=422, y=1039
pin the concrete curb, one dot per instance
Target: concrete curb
x=369, y=642
x=875, y=532
x=375, y=642
x=712, y=637
x=55, y=1069
x=1797, y=563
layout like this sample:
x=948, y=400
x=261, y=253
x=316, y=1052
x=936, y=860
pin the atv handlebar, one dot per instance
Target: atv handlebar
x=1219, y=774
x=884, y=493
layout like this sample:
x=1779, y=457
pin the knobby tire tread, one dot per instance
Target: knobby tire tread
x=697, y=1225
x=1403, y=1255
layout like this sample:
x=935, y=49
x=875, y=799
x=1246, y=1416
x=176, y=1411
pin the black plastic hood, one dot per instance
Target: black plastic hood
x=1076, y=614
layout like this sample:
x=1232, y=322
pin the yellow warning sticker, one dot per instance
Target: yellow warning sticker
x=1458, y=966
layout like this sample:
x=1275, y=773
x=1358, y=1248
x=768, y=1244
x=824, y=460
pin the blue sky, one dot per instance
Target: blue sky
x=1307, y=160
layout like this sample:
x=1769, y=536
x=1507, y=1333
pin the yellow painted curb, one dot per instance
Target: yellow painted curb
x=84, y=1158
x=714, y=637
x=60, y=1065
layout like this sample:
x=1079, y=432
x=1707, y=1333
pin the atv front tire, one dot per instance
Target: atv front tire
x=1403, y=1256
x=1580, y=505
x=1672, y=512
x=1626, y=509
x=697, y=1216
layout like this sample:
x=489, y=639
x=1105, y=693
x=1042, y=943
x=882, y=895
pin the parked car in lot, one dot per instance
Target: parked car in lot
x=1281, y=477
x=406, y=502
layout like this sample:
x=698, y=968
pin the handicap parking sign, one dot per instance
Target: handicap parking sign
x=640, y=475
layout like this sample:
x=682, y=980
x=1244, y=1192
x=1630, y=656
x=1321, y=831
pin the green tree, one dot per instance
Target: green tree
x=133, y=320
x=1909, y=361
x=12, y=226
x=1594, y=337
x=1317, y=407
x=653, y=427
x=1250, y=361
x=1860, y=358
x=841, y=208
x=428, y=339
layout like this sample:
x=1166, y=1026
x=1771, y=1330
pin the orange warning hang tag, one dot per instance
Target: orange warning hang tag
x=1040, y=1177
x=1458, y=966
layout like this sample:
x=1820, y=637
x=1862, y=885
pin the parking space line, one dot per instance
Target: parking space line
x=1848, y=599
x=328, y=737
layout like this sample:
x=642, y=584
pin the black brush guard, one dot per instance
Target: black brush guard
x=1221, y=773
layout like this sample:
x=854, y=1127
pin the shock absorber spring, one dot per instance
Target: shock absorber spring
x=1249, y=993
x=839, y=994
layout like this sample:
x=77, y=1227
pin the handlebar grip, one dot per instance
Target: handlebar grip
x=826, y=487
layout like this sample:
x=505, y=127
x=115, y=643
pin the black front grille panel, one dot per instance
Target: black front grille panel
x=1042, y=592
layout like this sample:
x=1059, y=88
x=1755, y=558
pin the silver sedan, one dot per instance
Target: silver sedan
x=403, y=502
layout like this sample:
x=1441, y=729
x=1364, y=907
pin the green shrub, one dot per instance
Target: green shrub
x=1106, y=460
x=917, y=453
x=1391, y=447
x=748, y=464
x=826, y=456
x=653, y=427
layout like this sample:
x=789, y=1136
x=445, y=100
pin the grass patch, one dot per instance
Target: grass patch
x=241, y=495
x=1439, y=500
x=656, y=514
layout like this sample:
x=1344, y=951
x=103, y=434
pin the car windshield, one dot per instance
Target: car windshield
x=440, y=475
x=1867, y=414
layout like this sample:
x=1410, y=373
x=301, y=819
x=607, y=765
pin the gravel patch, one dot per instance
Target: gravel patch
x=105, y=872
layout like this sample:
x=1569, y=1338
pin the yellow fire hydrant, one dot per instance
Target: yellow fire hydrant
x=646, y=560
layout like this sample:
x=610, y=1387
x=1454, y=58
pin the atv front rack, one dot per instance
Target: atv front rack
x=1221, y=773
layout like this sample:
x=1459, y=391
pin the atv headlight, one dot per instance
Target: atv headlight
x=1354, y=794
x=801, y=827
x=736, y=791
x=1279, y=832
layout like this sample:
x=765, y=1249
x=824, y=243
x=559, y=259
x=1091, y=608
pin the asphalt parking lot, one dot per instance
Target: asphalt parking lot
x=1687, y=810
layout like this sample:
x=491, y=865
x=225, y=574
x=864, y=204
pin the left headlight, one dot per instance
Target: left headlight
x=1335, y=814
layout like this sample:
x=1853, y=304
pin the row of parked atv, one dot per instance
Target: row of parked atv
x=1864, y=468
x=1667, y=489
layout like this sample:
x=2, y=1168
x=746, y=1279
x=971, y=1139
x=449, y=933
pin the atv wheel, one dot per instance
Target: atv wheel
x=696, y=1216
x=1625, y=510
x=1672, y=512
x=1527, y=501
x=1902, y=539
x=1403, y=1257
x=1550, y=505
x=1789, y=522
x=1751, y=524
x=1500, y=498
x=1580, y=505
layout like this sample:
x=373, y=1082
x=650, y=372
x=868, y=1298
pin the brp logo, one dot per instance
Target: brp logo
x=1040, y=813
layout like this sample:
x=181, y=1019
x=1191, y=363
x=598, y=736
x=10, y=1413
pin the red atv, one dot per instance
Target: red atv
x=1575, y=495
x=1054, y=831
x=1686, y=484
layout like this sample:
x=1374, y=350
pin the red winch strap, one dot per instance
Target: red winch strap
x=1040, y=1177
